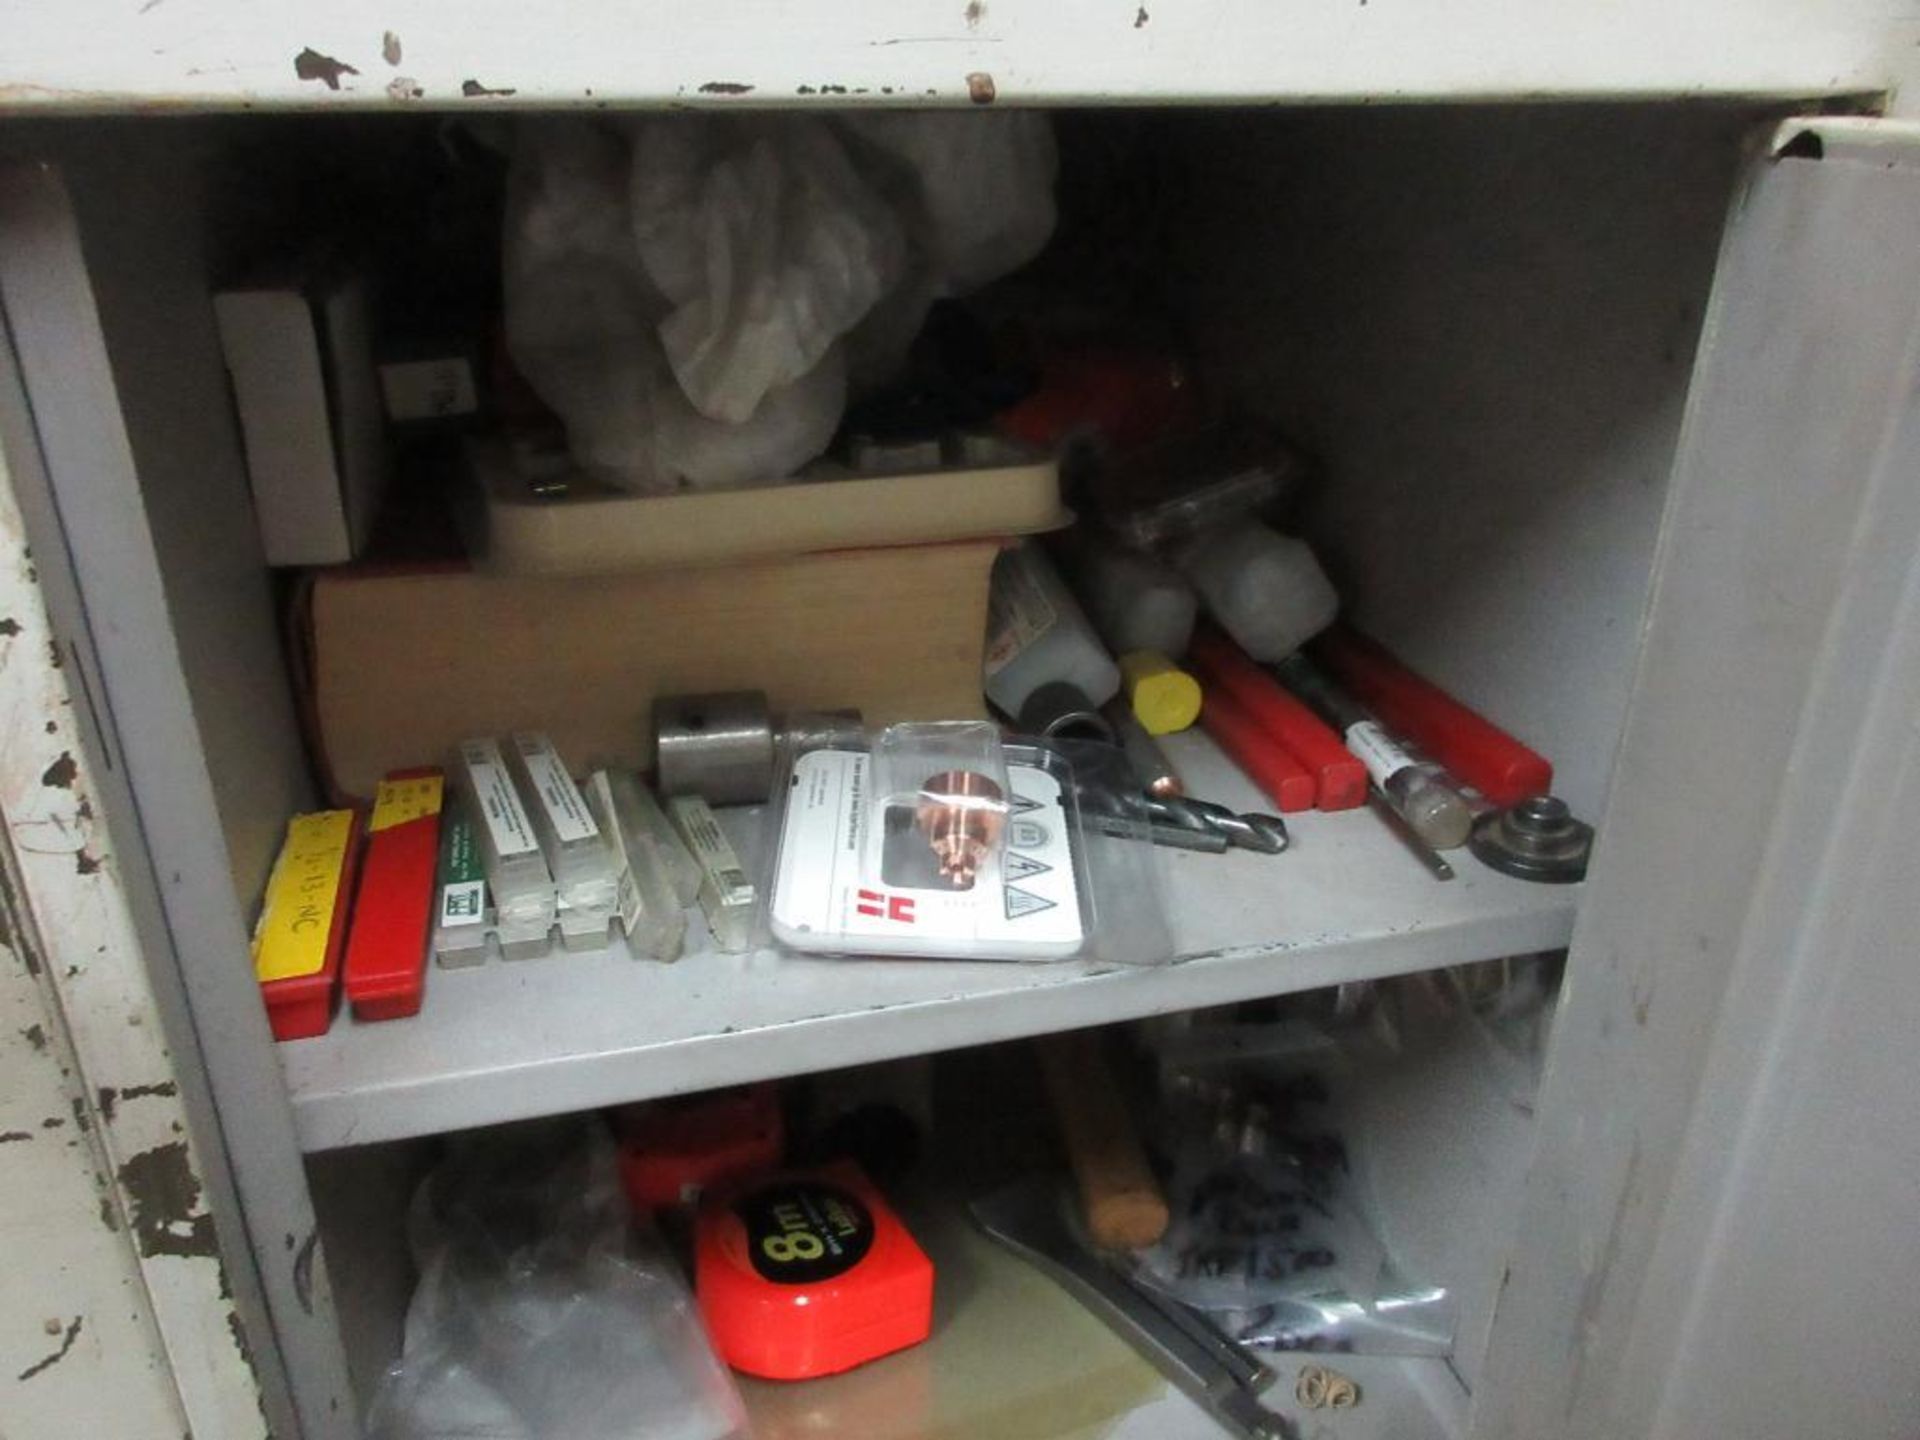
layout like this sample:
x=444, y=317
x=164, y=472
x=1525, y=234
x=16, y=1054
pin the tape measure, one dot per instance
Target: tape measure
x=808, y=1273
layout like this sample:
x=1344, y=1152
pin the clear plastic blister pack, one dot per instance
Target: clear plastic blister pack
x=650, y=911
x=942, y=840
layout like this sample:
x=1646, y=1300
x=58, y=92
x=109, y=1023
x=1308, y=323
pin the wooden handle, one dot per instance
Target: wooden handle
x=1120, y=1200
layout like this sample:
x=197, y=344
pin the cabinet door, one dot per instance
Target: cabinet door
x=118, y=1314
x=125, y=637
x=1719, y=1236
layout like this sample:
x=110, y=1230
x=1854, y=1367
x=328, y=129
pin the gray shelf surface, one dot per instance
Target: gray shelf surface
x=507, y=1041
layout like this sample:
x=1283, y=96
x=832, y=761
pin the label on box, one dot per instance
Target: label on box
x=428, y=389
x=701, y=830
x=463, y=885
x=1024, y=902
x=558, y=795
x=1378, y=751
x=410, y=797
x=302, y=895
x=803, y=1231
x=1018, y=612
x=499, y=806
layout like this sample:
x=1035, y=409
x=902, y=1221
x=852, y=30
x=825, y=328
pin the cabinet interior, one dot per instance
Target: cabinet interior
x=1480, y=320
x=1432, y=1081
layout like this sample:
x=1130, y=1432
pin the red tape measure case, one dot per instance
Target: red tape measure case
x=809, y=1273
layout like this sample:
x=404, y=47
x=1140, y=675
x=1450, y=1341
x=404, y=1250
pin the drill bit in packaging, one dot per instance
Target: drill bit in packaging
x=577, y=852
x=522, y=886
x=726, y=894
x=462, y=917
x=584, y=931
x=641, y=815
x=650, y=913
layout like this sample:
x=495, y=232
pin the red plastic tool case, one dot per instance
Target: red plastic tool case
x=386, y=964
x=301, y=1006
x=673, y=1151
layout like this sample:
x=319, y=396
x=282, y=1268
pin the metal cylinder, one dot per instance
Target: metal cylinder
x=1150, y=764
x=1063, y=712
x=719, y=747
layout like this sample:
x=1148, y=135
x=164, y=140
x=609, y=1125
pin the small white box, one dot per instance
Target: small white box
x=435, y=389
x=300, y=350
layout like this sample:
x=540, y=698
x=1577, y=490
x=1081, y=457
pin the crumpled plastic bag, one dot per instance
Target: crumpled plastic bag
x=689, y=293
x=540, y=1313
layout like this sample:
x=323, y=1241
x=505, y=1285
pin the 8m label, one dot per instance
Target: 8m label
x=801, y=1232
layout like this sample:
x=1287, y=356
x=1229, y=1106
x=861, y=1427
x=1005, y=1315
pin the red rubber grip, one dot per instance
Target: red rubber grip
x=1476, y=750
x=1268, y=763
x=1340, y=780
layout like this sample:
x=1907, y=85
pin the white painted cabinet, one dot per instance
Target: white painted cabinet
x=204, y=54
x=1618, y=404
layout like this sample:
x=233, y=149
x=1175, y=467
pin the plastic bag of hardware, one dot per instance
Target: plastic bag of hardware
x=541, y=1314
x=1268, y=1235
x=943, y=841
x=1271, y=1249
x=685, y=291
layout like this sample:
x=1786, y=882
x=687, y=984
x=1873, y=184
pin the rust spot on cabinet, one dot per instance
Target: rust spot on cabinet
x=164, y=1195
x=310, y=64
x=66, y=1344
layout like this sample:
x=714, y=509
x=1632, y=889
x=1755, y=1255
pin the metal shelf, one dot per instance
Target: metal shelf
x=511, y=1041
x=1400, y=1400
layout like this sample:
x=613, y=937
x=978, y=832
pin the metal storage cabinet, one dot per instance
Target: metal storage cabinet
x=196, y=54
x=1715, y=1235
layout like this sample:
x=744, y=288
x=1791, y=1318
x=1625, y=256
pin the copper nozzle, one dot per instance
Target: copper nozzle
x=960, y=812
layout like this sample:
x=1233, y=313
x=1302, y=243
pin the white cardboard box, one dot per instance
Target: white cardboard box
x=300, y=351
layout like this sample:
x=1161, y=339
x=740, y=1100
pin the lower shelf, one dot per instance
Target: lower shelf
x=1013, y=1356
x=1399, y=1400
x=511, y=1041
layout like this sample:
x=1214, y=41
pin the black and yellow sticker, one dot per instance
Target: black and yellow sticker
x=800, y=1232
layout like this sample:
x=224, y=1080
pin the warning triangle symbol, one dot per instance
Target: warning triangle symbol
x=1020, y=804
x=1018, y=867
x=1025, y=902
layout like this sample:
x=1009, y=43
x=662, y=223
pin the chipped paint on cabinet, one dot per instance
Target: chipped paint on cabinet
x=143, y=54
x=115, y=1311
x=78, y=1340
